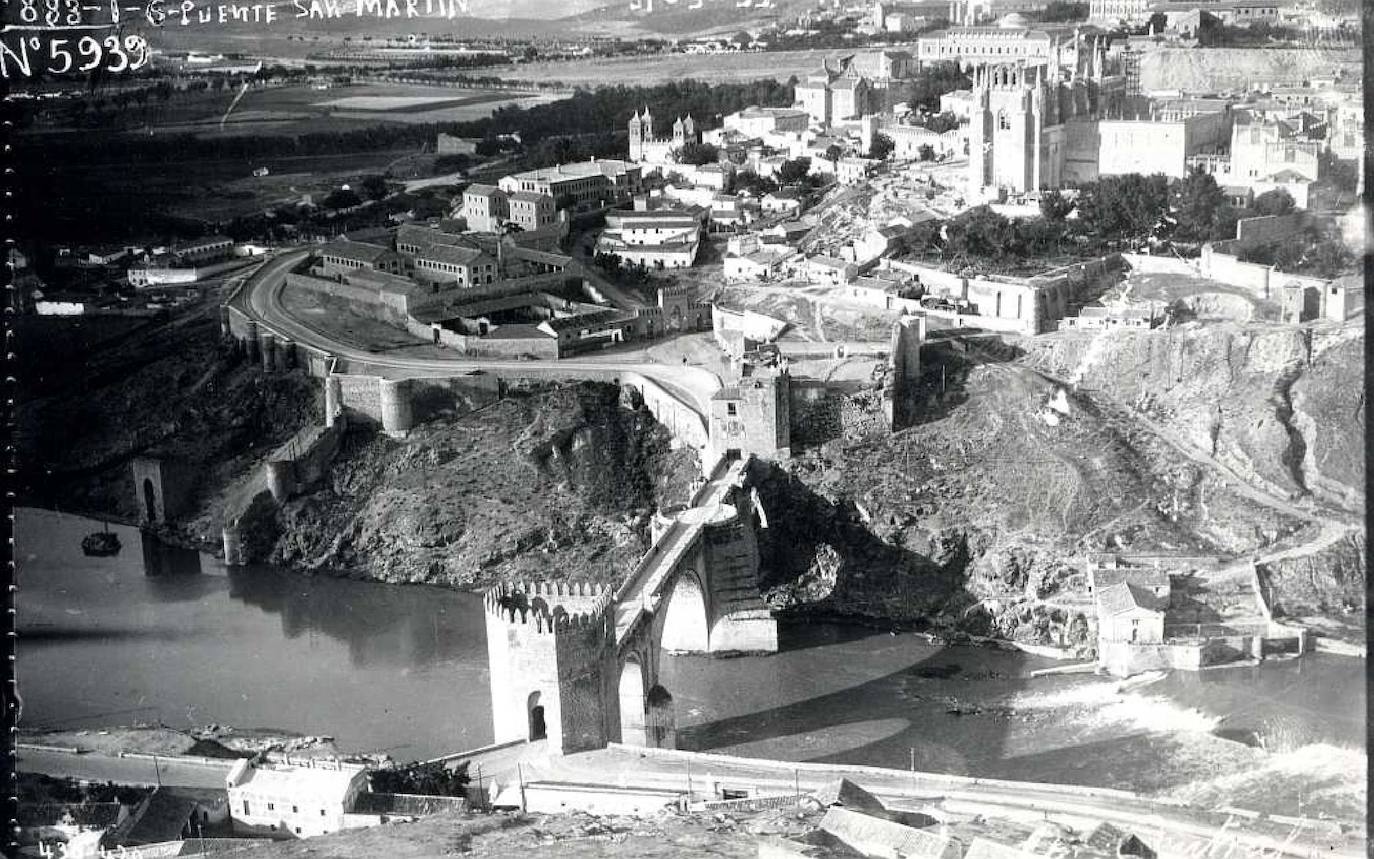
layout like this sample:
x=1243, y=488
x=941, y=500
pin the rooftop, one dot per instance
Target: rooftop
x=451, y=254
x=321, y=781
x=482, y=191
x=609, y=167
x=583, y=320
x=365, y=252
x=1124, y=597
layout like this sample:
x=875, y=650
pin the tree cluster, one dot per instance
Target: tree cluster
x=433, y=779
x=882, y=147
x=748, y=180
x=941, y=122
x=693, y=152
x=1060, y=12
x=930, y=83
x=1318, y=250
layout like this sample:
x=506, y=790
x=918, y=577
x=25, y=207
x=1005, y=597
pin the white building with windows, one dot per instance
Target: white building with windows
x=294, y=799
x=662, y=238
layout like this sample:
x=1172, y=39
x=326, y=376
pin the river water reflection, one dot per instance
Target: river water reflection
x=161, y=633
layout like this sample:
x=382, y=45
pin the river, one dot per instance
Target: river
x=157, y=633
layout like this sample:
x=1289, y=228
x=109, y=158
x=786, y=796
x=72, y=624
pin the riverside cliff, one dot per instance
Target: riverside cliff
x=1203, y=440
x=1029, y=455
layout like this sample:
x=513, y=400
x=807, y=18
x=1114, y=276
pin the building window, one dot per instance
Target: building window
x=295, y=810
x=731, y=410
x=271, y=806
x=298, y=830
x=321, y=812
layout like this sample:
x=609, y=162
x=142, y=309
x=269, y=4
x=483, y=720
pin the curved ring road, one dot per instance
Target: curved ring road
x=261, y=298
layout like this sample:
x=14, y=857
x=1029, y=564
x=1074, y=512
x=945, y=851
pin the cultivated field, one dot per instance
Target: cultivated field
x=715, y=68
x=300, y=109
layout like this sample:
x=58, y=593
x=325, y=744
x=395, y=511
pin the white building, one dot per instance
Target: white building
x=781, y=202
x=531, y=211
x=761, y=121
x=292, y=800
x=663, y=238
x=762, y=263
x=485, y=207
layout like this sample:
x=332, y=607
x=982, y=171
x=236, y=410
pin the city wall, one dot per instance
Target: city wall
x=398, y=404
x=303, y=461
x=685, y=423
x=275, y=352
x=1014, y=305
x=1220, y=262
x=394, y=307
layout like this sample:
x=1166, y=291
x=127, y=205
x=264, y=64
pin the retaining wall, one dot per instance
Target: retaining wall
x=394, y=305
x=303, y=461
x=684, y=422
x=1149, y=264
x=1219, y=263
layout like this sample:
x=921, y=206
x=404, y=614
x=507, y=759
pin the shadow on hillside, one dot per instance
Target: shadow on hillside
x=819, y=554
x=946, y=365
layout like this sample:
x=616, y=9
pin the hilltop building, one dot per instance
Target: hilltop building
x=762, y=121
x=1265, y=155
x=836, y=92
x=1038, y=125
x=661, y=238
x=969, y=46
x=644, y=146
x=485, y=207
x=586, y=184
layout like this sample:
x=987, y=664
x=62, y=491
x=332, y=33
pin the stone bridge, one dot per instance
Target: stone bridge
x=578, y=665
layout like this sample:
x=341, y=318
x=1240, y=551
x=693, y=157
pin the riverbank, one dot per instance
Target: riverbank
x=208, y=741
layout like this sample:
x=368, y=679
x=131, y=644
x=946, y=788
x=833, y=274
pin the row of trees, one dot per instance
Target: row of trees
x=1132, y=211
x=582, y=119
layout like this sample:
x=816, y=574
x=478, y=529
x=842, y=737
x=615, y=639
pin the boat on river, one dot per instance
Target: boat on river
x=101, y=544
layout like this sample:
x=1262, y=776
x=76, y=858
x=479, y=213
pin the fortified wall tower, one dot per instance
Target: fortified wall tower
x=550, y=647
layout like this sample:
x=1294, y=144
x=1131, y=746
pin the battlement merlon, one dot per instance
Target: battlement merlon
x=551, y=606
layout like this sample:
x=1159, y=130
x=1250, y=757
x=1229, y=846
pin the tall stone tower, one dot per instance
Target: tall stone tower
x=684, y=132
x=980, y=135
x=1003, y=135
x=636, y=137
x=550, y=648
x=753, y=416
x=641, y=133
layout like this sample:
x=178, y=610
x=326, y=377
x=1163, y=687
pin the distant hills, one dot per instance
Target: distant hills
x=679, y=19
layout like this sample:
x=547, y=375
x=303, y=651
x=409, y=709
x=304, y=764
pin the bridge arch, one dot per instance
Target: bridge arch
x=686, y=621
x=633, y=703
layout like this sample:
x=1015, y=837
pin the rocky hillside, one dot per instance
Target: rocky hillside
x=89, y=407
x=1283, y=407
x=1213, y=69
x=551, y=483
x=972, y=517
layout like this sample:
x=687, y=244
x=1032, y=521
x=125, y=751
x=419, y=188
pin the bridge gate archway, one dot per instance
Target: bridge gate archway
x=686, y=619
x=634, y=707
